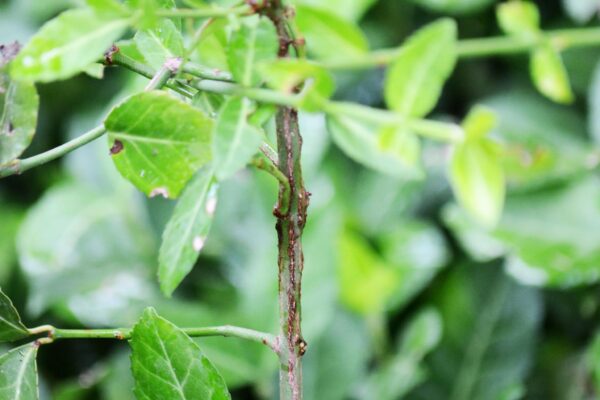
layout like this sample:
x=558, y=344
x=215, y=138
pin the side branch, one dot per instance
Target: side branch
x=481, y=47
x=54, y=334
x=20, y=166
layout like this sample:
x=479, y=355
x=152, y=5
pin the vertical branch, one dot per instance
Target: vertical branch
x=291, y=219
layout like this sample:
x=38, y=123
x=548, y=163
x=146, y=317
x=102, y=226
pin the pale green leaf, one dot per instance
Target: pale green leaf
x=235, y=140
x=550, y=75
x=159, y=142
x=77, y=246
x=108, y=7
x=18, y=373
x=519, y=18
x=67, y=45
x=160, y=43
x=328, y=36
x=255, y=42
x=478, y=180
x=19, y=104
x=212, y=45
x=361, y=140
x=417, y=75
x=581, y=10
x=454, y=6
x=149, y=18
x=167, y=364
x=186, y=231
x=11, y=327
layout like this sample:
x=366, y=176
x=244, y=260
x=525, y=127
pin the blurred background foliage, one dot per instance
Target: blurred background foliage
x=404, y=297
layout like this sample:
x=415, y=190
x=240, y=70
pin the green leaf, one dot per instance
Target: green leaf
x=212, y=45
x=19, y=104
x=11, y=327
x=416, y=77
x=255, y=42
x=18, y=373
x=167, y=364
x=287, y=74
x=67, y=45
x=361, y=140
x=160, y=43
x=108, y=7
x=328, y=36
x=149, y=19
x=186, y=231
x=404, y=370
x=550, y=75
x=478, y=180
x=490, y=335
x=519, y=18
x=159, y=142
x=454, y=6
x=235, y=140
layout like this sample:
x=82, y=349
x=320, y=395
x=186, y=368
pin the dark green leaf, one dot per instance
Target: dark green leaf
x=159, y=142
x=167, y=364
x=328, y=36
x=255, y=42
x=235, y=140
x=19, y=104
x=186, y=232
x=416, y=77
x=404, y=370
x=11, y=327
x=490, y=326
x=18, y=373
x=67, y=45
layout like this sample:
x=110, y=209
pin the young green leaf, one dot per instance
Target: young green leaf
x=11, y=327
x=389, y=150
x=416, y=77
x=158, y=142
x=211, y=50
x=253, y=43
x=330, y=37
x=160, y=43
x=167, y=364
x=479, y=122
x=366, y=281
x=519, y=18
x=550, y=75
x=108, y=7
x=287, y=74
x=478, y=180
x=18, y=373
x=186, y=231
x=19, y=104
x=235, y=140
x=67, y=45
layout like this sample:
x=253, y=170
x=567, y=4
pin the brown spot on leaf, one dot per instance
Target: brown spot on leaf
x=116, y=148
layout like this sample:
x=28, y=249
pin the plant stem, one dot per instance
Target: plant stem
x=290, y=225
x=125, y=334
x=207, y=12
x=483, y=47
x=20, y=166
